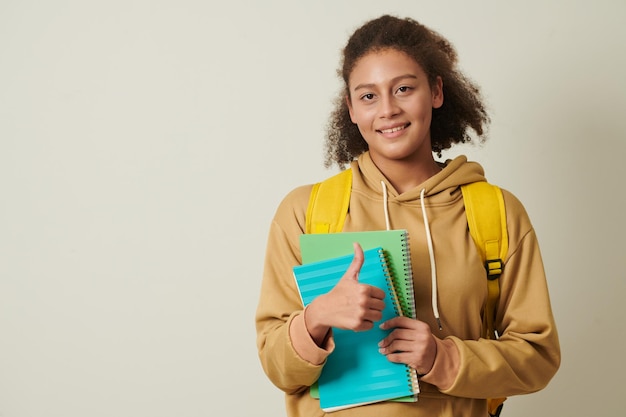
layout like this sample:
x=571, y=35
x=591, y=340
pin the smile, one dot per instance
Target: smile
x=394, y=129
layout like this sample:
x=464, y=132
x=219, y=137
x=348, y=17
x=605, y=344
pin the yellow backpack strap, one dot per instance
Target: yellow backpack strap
x=494, y=406
x=486, y=218
x=328, y=204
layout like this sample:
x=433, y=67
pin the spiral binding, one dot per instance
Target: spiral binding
x=397, y=307
x=409, y=303
x=411, y=373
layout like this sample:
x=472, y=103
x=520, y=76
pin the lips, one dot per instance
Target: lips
x=394, y=129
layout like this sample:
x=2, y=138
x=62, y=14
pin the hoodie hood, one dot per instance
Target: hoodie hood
x=442, y=187
x=454, y=173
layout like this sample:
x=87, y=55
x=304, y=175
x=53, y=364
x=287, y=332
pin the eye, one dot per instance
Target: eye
x=367, y=97
x=404, y=89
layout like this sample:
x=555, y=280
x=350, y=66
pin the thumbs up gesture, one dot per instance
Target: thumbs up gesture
x=349, y=305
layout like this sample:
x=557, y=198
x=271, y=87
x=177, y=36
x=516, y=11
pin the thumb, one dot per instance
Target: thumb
x=357, y=263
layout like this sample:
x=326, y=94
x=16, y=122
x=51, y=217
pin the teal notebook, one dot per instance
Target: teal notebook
x=356, y=373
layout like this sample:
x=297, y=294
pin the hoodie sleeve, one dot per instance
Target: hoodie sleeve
x=289, y=357
x=527, y=354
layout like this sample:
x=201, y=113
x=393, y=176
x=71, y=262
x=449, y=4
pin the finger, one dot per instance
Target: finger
x=405, y=323
x=357, y=263
x=406, y=334
x=376, y=304
x=397, y=346
x=422, y=360
x=403, y=333
x=374, y=316
x=364, y=326
x=403, y=339
x=369, y=320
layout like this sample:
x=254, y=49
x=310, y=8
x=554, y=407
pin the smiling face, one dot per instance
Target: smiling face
x=391, y=102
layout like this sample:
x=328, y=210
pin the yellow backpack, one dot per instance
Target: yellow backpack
x=486, y=218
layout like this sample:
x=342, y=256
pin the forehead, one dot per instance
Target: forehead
x=381, y=66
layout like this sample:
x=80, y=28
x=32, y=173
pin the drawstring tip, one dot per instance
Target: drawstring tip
x=439, y=323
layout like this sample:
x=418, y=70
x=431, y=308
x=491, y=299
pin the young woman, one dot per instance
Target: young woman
x=404, y=100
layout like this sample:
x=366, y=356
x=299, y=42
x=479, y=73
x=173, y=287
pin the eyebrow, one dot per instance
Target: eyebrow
x=394, y=80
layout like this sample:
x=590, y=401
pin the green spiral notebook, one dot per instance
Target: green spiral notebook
x=356, y=373
x=395, y=243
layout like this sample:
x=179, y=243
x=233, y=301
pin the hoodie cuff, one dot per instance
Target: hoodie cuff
x=305, y=346
x=446, y=366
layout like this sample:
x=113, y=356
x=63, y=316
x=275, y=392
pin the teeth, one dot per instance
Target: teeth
x=395, y=129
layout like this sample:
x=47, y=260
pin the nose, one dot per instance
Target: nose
x=388, y=107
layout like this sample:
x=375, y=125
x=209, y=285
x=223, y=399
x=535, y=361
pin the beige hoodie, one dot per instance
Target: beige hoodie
x=467, y=369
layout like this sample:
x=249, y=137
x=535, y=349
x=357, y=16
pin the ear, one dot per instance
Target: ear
x=437, y=93
x=350, y=109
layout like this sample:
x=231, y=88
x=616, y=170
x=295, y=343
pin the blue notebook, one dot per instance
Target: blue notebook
x=356, y=373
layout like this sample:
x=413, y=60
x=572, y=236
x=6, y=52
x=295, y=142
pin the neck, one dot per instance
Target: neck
x=405, y=175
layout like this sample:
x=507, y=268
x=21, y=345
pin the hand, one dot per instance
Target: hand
x=411, y=342
x=349, y=305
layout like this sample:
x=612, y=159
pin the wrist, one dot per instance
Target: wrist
x=318, y=332
x=446, y=365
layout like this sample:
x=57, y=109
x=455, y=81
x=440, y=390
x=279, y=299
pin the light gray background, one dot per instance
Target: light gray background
x=144, y=146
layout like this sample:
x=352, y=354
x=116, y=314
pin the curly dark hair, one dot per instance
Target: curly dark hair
x=462, y=107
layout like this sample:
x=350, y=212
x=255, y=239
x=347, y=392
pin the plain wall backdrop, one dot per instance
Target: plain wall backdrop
x=144, y=146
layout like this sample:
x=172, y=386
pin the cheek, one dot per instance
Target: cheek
x=423, y=111
x=360, y=115
x=354, y=112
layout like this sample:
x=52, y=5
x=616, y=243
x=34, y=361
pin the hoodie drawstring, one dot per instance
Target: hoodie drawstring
x=433, y=269
x=431, y=253
x=386, y=205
